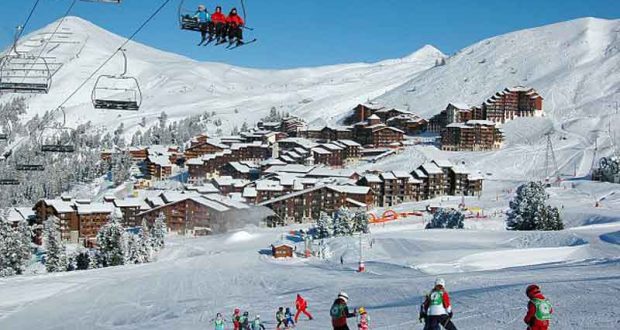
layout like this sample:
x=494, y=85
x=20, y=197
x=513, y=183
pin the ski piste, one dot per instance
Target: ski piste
x=242, y=44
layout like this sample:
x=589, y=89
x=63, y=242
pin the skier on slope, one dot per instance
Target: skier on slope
x=280, y=318
x=302, y=307
x=363, y=321
x=288, y=318
x=235, y=25
x=340, y=312
x=257, y=324
x=219, y=322
x=244, y=321
x=423, y=316
x=438, y=308
x=539, y=309
x=203, y=18
x=235, y=319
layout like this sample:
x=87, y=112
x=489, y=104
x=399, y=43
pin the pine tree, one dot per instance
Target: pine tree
x=111, y=242
x=82, y=260
x=447, y=218
x=15, y=250
x=324, y=226
x=158, y=232
x=132, y=253
x=528, y=210
x=56, y=256
x=23, y=243
x=360, y=222
x=342, y=222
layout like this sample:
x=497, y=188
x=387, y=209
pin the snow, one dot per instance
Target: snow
x=240, y=236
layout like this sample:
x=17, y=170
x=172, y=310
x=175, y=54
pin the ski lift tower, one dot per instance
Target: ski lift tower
x=550, y=157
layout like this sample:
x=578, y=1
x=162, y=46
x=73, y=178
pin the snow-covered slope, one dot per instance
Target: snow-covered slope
x=181, y=86
x=574, y=65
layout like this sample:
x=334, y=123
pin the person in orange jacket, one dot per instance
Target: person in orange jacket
x=302, y=307
x=539, y=309
x=217, y=25
x=235, y=25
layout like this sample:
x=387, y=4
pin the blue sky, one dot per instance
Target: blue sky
x=295, y=33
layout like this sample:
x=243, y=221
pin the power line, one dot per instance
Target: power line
x=157, y=11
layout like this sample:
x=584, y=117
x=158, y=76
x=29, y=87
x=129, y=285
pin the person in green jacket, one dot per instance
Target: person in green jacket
x=219, y=322
x=257, y=324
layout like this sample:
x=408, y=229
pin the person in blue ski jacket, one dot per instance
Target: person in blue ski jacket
x=203, y=17
x=288, y=318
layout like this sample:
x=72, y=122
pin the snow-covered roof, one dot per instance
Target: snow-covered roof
x=460, y=105
x=128, y=202
x=301, y=151
x=387, y=127
x=460, y=169
x=292, y=168
x=206, y=188
x=291, y=195
x=226, y=201
x=195, y=161
x=443, y=163
x=308, y=144
x=402, y=174
x=59, y=205
x=349, y=143
x=272, y=161
x=170, y=196
x=268, y=185
x=250, y=192
x=431, y=168
x=481, y=122
x=458, y=125
x=331, y=146
x=241, y=167
x=355, y=190
x=287, y=159
x=420, y=174
x=281, y=243
x=356, y=203
x=160, y=160
x=321, y=151
x=329, y=172
x=374, y=117
x=372, y=178
x=94, y=208
x=388, y=176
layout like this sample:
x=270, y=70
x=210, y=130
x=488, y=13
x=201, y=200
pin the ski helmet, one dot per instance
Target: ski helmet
x=362, y=310
x=201, y=7
x=257, y=316
x=237, y=310
x=246, y=313
x=440, y=281
x=344, y=296
x=532, y=290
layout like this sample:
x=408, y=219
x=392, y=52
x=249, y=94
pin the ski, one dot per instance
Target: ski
x=241, y=45
x=209, y=41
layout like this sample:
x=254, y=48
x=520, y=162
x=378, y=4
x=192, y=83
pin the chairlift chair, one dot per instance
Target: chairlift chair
x=187, y=21
x=27, y=165
x=117, y=92
x=57, y=139
x=23, y=73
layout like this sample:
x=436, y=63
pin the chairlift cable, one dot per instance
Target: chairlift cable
x=150, y=18
x=18, y=35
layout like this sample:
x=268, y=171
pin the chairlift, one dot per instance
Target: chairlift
x=24, y=73
x=187, y=21
x=117, y=92
x=28, y=165
x=8, y=177
x=57, y=139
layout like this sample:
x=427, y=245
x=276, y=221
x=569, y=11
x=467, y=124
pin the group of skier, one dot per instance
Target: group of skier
x=219, y=27
x=435, y=312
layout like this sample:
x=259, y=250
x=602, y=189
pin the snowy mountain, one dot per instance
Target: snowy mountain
x=181, y=86
x=574, y=65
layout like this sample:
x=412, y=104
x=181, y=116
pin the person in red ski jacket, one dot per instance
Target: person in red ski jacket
x=539, y=309
x=235, y=319
x=302, y=307
x=235, y=25
x=438, y=308
x=217, y=25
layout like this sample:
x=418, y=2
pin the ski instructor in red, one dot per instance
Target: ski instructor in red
x=539, y=309
x=302, y=307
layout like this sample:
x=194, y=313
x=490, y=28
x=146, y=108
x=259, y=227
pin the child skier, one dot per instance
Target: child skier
x=280, y=318
x=288, y=318
x=235, y=319
x=340, y=312
x=257, y=324
x=244, y=321
x=363, y=321
x=219, y=322
x=302, y=307
x=438, y=308
x=539, y=309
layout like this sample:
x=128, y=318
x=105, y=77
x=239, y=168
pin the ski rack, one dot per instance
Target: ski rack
x=131, y=103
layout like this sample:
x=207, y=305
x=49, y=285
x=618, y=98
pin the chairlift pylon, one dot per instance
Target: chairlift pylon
x=24, y=73
x=108, y=95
